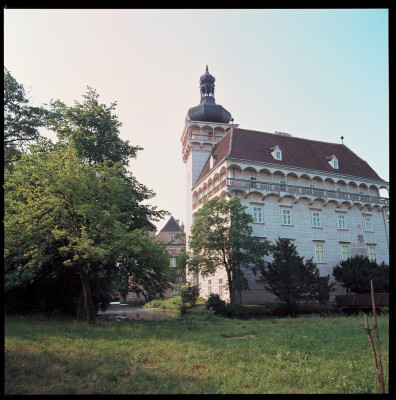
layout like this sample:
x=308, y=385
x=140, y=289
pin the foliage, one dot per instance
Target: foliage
x=218, y=305
x=221, y=237
x=91, y=128
x=173, y=303
x=356, y=272
x=21, y=120
x=189, y=294
x=68, y=219
x=291, y=279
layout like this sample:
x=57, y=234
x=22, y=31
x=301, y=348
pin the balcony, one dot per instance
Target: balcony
x=271, y=187
x=204, y=138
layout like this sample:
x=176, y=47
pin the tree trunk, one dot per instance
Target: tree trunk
x=89, y=307
x=81, y=314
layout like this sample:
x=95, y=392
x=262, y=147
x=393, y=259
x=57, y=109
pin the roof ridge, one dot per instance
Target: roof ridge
x=294, y=137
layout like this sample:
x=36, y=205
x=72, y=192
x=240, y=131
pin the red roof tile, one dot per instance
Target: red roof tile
x=296, y=152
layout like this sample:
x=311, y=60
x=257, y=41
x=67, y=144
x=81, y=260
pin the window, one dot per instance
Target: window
x=372, y=253
x=319, y=253
x=173, y=238
x=173, y=262
x=334, y=162
x=341, y=221
x=277, y=153
x=368, y=224
x=286, y=216
x=209, y=287
x=221, y=287
x=316, y=219
x=257, y=214
x=345, y=252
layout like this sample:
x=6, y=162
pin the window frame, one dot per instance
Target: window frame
x=322, y=259
x=320, y=218
x=258, y=213
x=343, y=245
x=290, y=216
x=370, y=218
x=344, y=219
x=370, y=253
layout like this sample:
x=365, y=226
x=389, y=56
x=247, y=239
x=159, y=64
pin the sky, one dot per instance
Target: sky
x=315, y=73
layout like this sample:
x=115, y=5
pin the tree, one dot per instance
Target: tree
x=356, y=272
x=291, y=279
x=221, y=237
x=21, y=120
x=91, y=128
x=80, y=220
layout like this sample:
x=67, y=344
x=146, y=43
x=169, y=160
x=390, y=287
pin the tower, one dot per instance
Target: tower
x=205, y=125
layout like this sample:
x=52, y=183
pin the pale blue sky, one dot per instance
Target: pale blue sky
x=317, y=74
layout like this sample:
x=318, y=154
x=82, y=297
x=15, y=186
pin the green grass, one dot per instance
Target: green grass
x=198, y=353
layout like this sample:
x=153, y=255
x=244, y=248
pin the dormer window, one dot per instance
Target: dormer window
x=333, y=161
x=277, y=153
x=212, y=161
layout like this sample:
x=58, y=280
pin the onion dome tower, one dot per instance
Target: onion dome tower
x=208, y=110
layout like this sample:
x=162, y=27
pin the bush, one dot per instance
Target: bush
x=356, y=272
x=215, y=303
x=189, y=294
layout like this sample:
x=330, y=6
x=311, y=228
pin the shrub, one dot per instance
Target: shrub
x=356, y=272
x=189, y=294
x=215, y=303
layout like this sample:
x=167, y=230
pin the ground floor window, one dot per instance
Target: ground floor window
x=372, y=253
x=319, y=253
x=345, y=252
x=221, y=287
x=209, y=286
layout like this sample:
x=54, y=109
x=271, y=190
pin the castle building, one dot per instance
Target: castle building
x=322, y=196
x=173, y=235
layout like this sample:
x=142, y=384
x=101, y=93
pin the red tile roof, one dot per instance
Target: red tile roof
x=296, y=152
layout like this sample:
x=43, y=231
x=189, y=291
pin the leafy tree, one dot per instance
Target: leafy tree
x=291, y=279
x=356, y=272
x=189, y=294
x=21, y=120
x=221, y=237
x=91, y=128
x=79, y=220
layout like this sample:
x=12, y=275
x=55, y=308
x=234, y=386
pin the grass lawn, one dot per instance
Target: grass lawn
x=197, y=353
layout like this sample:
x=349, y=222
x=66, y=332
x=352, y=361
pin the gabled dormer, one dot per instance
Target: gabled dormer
x=212, y=160
x=277, y=153
x=333, y=161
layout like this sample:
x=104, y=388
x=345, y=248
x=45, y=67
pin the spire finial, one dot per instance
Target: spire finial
x=207, y=68
x=342, y=139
